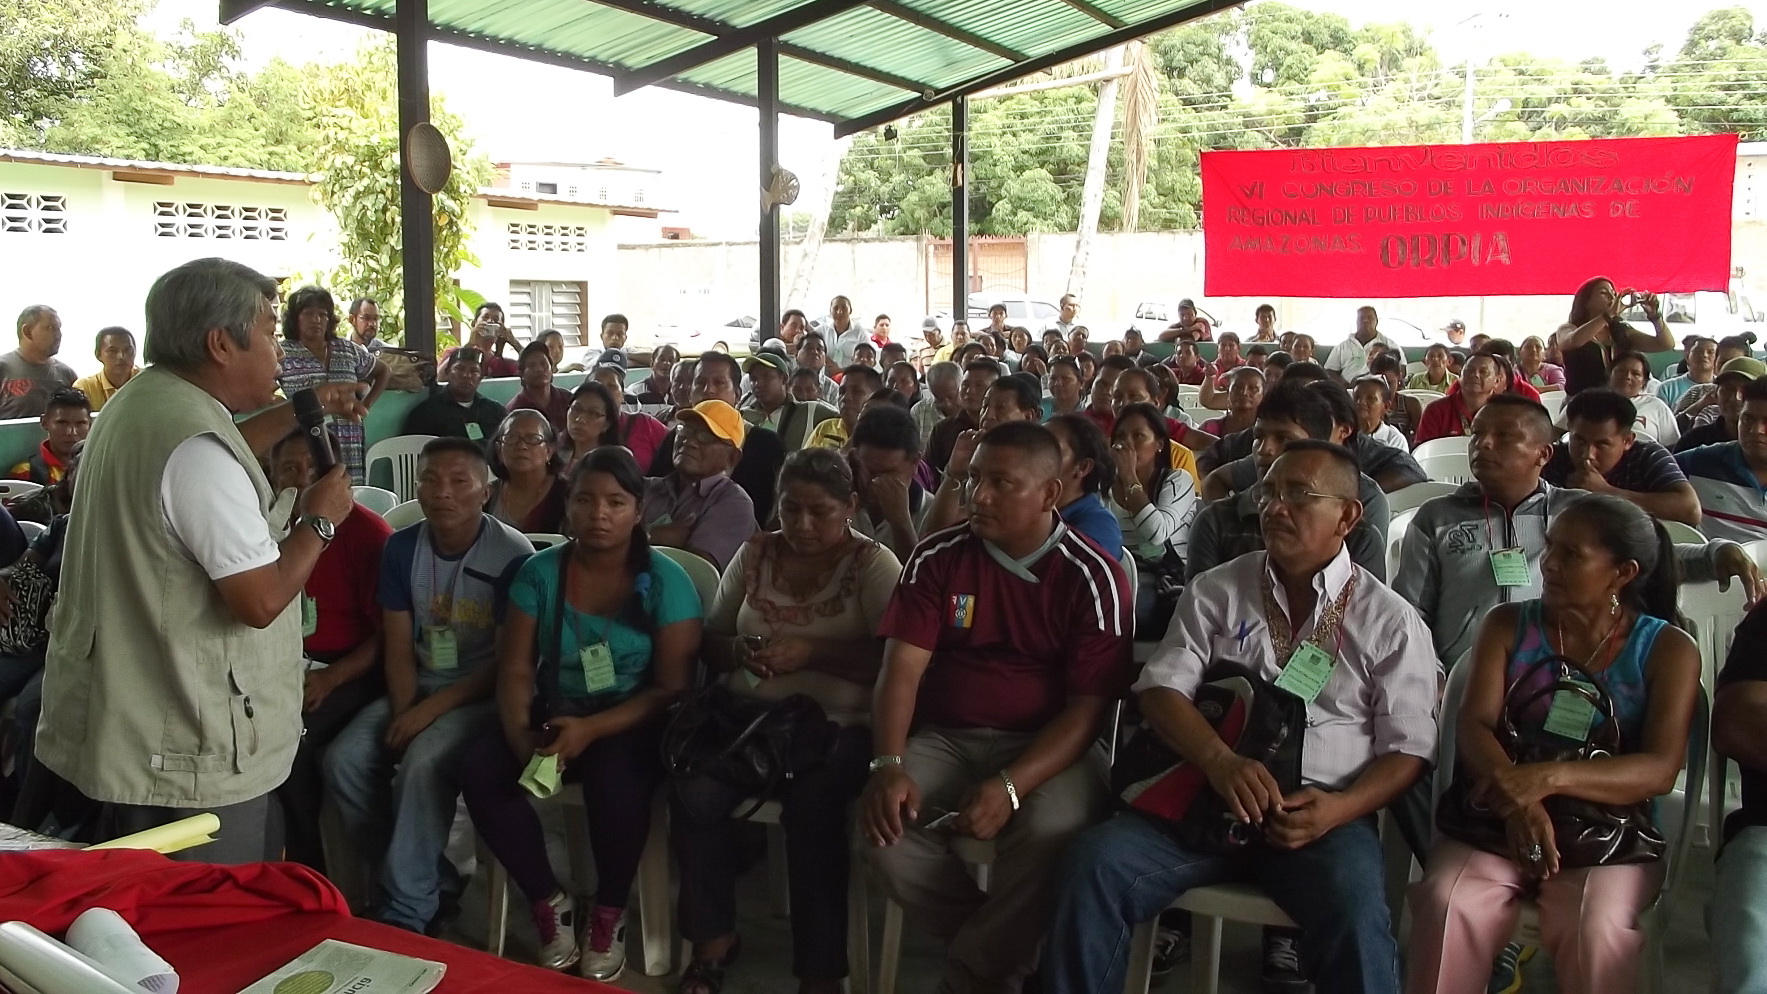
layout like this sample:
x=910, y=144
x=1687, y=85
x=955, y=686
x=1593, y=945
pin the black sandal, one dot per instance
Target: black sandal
x=705, y=976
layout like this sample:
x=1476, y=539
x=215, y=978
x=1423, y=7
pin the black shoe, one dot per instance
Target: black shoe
x=1171, y=943
x=1282, y=962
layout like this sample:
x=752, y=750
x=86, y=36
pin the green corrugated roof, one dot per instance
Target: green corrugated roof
x=856, y=65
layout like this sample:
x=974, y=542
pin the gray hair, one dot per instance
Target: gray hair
x=944, y=370
x=203, y=294
x=31, y=315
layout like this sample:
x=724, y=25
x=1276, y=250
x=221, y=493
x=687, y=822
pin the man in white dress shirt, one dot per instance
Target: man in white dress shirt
x=1371, y=734
x=1350, y=359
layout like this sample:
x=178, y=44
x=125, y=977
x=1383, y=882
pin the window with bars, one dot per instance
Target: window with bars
x=178, y=219
x=541, y=305
x=531, y=237
x=33, y=213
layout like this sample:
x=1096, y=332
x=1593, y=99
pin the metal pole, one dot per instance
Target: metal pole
x=417, y=236
x=767, y=105
x=960, y=209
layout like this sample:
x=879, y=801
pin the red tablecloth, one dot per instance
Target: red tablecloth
x=226, y=927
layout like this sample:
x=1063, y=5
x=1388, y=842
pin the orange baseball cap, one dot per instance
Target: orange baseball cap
x=720, y=419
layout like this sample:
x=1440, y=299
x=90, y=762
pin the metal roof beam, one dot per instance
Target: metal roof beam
x=946, y=28
x=1029, y=66
x=735, y=41
x=1097, y=13
x=851, y=68
x=233, y=10
x=317, y=8
x=667, y=15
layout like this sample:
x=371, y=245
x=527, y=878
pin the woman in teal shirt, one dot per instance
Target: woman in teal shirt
x=600, y=637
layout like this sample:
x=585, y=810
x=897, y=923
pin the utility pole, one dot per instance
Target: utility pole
x=1092, y=193
x=1466, y=106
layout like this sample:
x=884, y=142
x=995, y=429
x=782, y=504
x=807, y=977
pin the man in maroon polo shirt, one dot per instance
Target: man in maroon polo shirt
x=1008, y=637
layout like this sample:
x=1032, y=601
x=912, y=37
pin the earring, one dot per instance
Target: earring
x=1614, y=600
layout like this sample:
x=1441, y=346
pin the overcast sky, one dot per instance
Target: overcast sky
x=523, y=111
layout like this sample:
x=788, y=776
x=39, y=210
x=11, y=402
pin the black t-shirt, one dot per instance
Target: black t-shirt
x=1586, y=365
x=1710, y=433
x=1747, y=662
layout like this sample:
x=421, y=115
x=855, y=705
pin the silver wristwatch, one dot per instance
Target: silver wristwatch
x=883, y=761
x=322, y=527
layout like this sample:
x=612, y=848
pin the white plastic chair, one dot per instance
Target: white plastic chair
x=703, y=574
x=546, y=540
x=1406, y=498
x=1680, y=532
x=375, y=499
x=14, y=489
x=1437, y=446
x=402, y=451
x=1757, y=551
x=978, y=856
x=1413, y=368
x=32, y=530
x=1446, y=467
x=1554, y=402
x=1396, y=528
x=1424, y=397
x=1712, y=616
x=404, y=515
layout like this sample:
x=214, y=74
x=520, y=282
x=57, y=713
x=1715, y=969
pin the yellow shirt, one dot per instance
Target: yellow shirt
x=830, y=434
x=97, y=387
x=1184, y=459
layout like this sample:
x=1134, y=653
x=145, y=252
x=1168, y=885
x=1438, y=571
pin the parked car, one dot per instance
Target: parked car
x=1026, y=312
x=1706, y=312
x=1155, y=316
x=1329, y=329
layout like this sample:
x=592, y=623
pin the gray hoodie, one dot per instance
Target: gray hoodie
x=1445, y=562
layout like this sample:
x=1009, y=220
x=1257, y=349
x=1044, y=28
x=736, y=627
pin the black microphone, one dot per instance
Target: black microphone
x=311, y=415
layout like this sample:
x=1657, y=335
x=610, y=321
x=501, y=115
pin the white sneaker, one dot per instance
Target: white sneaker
x=604, y=955
x=555, y=919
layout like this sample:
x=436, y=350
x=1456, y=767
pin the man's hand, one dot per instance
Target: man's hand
x=674, y=534
x=1246, y=785
x=573, y=736
x=330, y=496
x=781, y=656
x=891, y=801
x=343, y=400
x=1584, y=476
x=986, y=811
x=1303, y=817
x=890, y=491
x=409, y=723
x=1733, y=562
x=320, y=684
x=962, y=451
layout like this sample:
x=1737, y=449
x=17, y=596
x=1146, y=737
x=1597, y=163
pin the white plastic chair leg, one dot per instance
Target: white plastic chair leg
x=496, y=902
x=889, y=953
x=1205, y=955
x=1139, y=976
x=778, y=874
x=653, y=894
x=858, y=928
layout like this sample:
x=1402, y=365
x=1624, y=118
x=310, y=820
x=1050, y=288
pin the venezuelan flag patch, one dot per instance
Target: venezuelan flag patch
x=963, y=610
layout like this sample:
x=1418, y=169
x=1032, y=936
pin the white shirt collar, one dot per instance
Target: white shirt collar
x=1021, y=568
x=1328, y=583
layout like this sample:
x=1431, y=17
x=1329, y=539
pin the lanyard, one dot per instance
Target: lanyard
x=447, y=617
x=1329, y=627
x=1509, y=535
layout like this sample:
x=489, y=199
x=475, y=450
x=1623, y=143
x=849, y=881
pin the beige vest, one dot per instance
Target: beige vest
x=153, y=692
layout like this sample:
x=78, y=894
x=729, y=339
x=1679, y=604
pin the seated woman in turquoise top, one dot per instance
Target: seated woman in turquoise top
x=599, y=639
x=1608, y=603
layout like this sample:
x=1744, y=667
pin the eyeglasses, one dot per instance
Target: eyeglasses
x=1295, y=496
x=700, y=436
x=531, y=439
x=577, y=414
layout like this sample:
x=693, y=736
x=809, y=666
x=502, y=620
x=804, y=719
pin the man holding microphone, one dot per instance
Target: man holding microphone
x=174, y=677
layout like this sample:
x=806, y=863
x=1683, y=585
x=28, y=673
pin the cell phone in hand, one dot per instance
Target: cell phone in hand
x=933, y=819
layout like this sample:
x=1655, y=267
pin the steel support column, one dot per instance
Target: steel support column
x=417, y=240
x=960, y=209
x=767, y=106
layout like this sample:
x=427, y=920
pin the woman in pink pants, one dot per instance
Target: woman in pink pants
x=1608, y=602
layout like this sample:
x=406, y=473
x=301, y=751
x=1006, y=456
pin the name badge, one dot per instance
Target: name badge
x=1571, y=715
x=309, y=616
x=444, y=649
x=1510, y=567
x=541, y=777
x=1307, y=672
x=474, y=431
x=598, y=667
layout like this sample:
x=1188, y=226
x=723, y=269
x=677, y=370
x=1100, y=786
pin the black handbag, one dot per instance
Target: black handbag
x=1586, y=833
x=752, y=745
x=33, y=590
x=1258, y=719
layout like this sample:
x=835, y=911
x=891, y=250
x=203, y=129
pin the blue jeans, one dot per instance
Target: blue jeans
x=403, y=806
x=1128, y=870
x=1737, y=917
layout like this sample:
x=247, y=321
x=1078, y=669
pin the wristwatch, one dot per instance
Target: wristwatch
x=883, y=761
x=322, y=527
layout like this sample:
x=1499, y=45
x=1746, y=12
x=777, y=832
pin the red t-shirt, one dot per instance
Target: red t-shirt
x=1195, y=375
x=344, y=584
x=1008, y=653
x=1106, y=420
x=495, y=365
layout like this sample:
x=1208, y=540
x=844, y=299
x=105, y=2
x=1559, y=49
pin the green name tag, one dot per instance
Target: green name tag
x=309, y=616
x=1510, y=567
x=1307, y=672
x=444, y=649
x=474, y=431
x=598, y=667
x=1571, y=715
x=541, y=778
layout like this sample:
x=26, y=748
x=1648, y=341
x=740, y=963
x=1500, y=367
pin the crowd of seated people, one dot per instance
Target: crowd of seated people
x=938, y=555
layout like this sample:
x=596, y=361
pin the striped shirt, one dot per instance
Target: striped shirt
x=1012, y=640
x=1733, y=504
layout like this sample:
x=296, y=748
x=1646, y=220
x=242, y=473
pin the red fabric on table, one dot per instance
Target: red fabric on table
x=223, y=928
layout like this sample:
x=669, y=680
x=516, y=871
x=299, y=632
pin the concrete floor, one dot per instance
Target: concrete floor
x=766, y=958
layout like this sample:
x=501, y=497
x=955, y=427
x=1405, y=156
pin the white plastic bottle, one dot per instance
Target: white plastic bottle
x=107, y=939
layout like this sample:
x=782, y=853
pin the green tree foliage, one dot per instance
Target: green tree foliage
x=1275, y=76
x=54, y=53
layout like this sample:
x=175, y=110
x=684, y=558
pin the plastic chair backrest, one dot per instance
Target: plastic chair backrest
x=402, y=452
x=1714, y=615
x=18, y=488
x=1424, y=397
x=1681, y=533
x=1446, y=467
x=32, y=529
x=404, y=515
x=703, y=574
x=546, y=540
x=1757, y=551
x=376, y=499
x=1396, y=529
x=1554, y=402
x=1406, y=498
x=1436, y=446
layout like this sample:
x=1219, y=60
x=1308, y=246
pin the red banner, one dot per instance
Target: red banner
x=1469, y=220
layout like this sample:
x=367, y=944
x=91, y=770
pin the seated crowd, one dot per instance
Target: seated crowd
x=938, y=566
